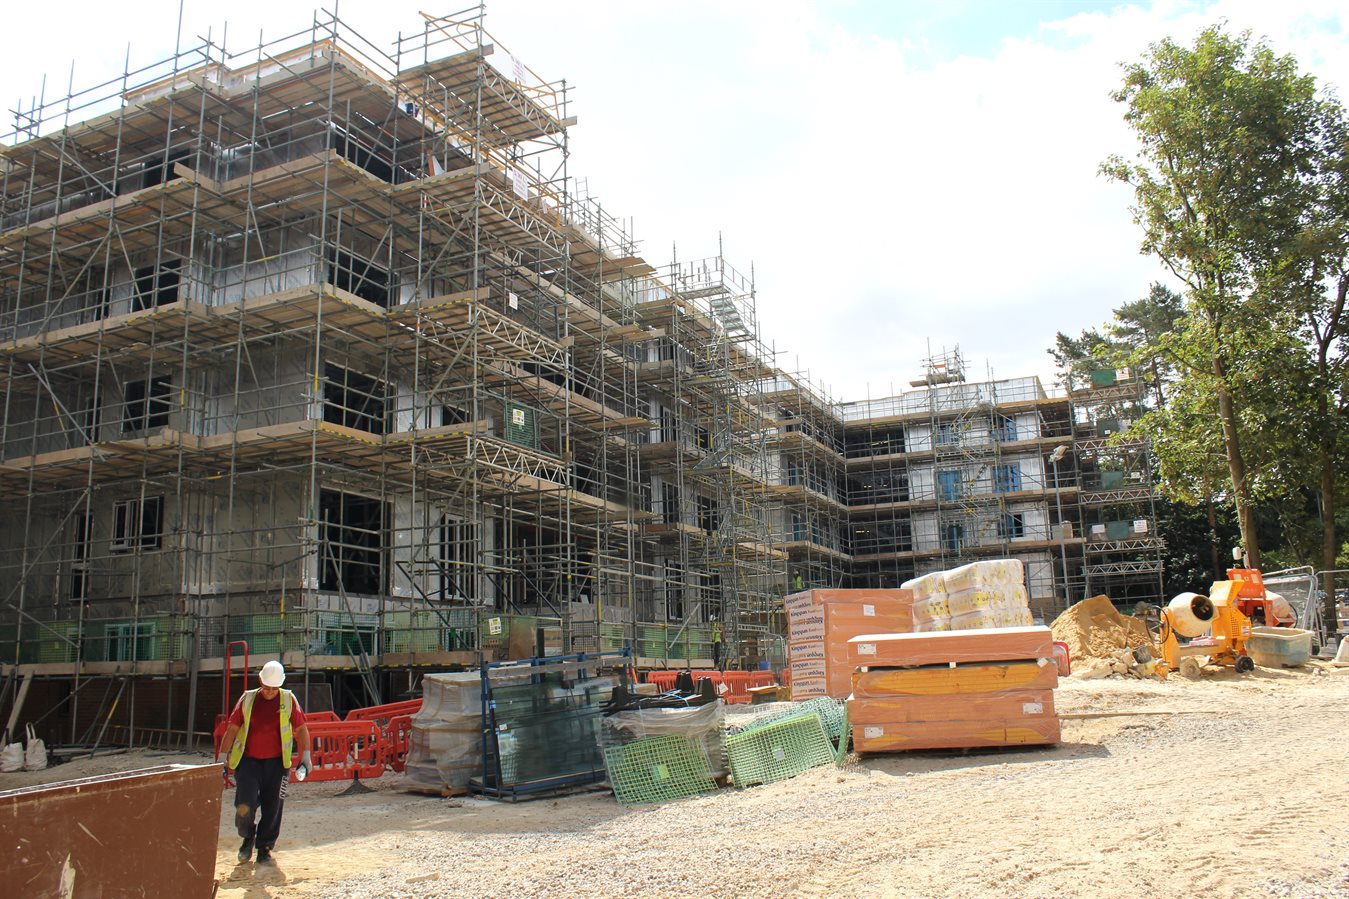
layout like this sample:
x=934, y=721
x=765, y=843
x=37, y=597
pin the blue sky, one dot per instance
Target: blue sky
x=899, y=175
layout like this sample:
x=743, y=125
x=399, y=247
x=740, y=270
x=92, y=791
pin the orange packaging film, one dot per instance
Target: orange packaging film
x=936, y=710
x=956, y=734
x=882, y=650
x=943, y=680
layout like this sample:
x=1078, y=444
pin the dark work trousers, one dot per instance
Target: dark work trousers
x=258, y=783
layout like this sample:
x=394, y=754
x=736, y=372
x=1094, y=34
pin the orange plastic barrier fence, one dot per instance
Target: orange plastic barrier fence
x=385, y=712
x=737, y=687
x=317, y=717
x=343, y=749
x=397, y=736
x=664, y=680
x=732, y=686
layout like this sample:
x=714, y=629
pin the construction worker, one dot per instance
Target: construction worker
x=716, y=643
x=262, y=727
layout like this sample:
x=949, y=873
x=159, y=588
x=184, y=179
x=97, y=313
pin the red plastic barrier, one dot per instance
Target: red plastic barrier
x=762, y=679
x=385, y=712
x=344, y=749
x=664, y=680
x=397, y=736
x=737, y=687
x=317, y=717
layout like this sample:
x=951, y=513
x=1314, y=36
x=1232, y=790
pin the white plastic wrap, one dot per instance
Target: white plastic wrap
x=704, y=724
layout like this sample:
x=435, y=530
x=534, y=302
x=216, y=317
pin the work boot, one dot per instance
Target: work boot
x=246, y=851
x=264, y=855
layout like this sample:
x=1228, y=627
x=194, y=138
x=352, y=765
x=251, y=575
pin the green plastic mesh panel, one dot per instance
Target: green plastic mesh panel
x=830, y=711
x=778, y=750
x=657, y=769
x=845, y=738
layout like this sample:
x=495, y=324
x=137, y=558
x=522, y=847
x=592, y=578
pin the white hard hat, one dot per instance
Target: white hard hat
x=272, y=675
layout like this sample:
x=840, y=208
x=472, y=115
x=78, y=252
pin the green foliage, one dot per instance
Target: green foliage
x=1192, y=546
x=1239, y=187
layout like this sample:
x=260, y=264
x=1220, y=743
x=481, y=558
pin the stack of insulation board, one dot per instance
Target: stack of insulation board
x=819, y=625
x=953, y=690
x=979, y=595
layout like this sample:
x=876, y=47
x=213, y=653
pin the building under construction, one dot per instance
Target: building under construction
x=323, y=351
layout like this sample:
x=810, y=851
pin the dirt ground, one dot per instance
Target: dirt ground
x=1221, y=786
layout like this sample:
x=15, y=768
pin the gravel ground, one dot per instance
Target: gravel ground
x=1217, y=787
x=1221, y=786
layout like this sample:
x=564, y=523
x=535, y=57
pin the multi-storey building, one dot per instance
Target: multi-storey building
x=883, y=489
x=323, y=351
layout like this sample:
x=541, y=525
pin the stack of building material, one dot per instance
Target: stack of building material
x=819, y=625
x=991, y=593
x=953, y=690
x=445, y=744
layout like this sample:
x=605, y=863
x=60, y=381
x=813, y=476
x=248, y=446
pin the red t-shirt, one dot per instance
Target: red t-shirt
x=264, y=726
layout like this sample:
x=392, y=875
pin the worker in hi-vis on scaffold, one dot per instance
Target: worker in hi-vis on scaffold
x=262, y=728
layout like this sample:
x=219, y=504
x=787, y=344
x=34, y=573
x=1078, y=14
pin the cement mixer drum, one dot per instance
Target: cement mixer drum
x=1191, y=614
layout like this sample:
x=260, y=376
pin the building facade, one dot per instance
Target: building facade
x=329, y=357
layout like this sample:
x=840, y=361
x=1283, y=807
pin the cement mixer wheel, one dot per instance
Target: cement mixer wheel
x=1244, y=664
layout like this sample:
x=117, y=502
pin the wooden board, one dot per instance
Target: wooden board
x=1006, y=706
x=955, y=734
x=943, y=680
x=1001, y=644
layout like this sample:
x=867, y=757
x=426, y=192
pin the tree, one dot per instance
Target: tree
x=1311, y=279
x=1137, y=330
x=1231, y=140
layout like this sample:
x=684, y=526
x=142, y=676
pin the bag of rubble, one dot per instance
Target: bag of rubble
x=11, y=758
x=35, y=757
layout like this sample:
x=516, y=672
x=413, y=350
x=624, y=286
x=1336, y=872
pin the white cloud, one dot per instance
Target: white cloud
x=887, y=195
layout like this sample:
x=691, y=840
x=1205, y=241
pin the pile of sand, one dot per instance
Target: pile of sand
x=1095, y=631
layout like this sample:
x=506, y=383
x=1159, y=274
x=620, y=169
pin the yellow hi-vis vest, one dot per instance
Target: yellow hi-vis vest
x=241, y=738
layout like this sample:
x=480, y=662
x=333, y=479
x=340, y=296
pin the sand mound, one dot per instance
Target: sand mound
x=1095, y=631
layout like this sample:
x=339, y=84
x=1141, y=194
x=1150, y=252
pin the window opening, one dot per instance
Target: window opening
x=354, y=400
x=674, y=592
x=147, y=404
x=137, y=524
x=949, y=484
x=1012, y=526
x=352, y=536
x=707, y=513
x=358, y=276
x=953, y=537
x=1006, y=478
x=157, y=285
x=79, y=556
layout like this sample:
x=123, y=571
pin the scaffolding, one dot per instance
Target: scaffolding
x=957, y=470
x=808, y=478
x=1122, y=547
x=321, y=347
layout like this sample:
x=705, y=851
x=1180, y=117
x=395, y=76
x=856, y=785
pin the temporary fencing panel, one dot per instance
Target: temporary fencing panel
x=345, y=749
x=664, y=680
x=385, y=712
x=397, y=737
